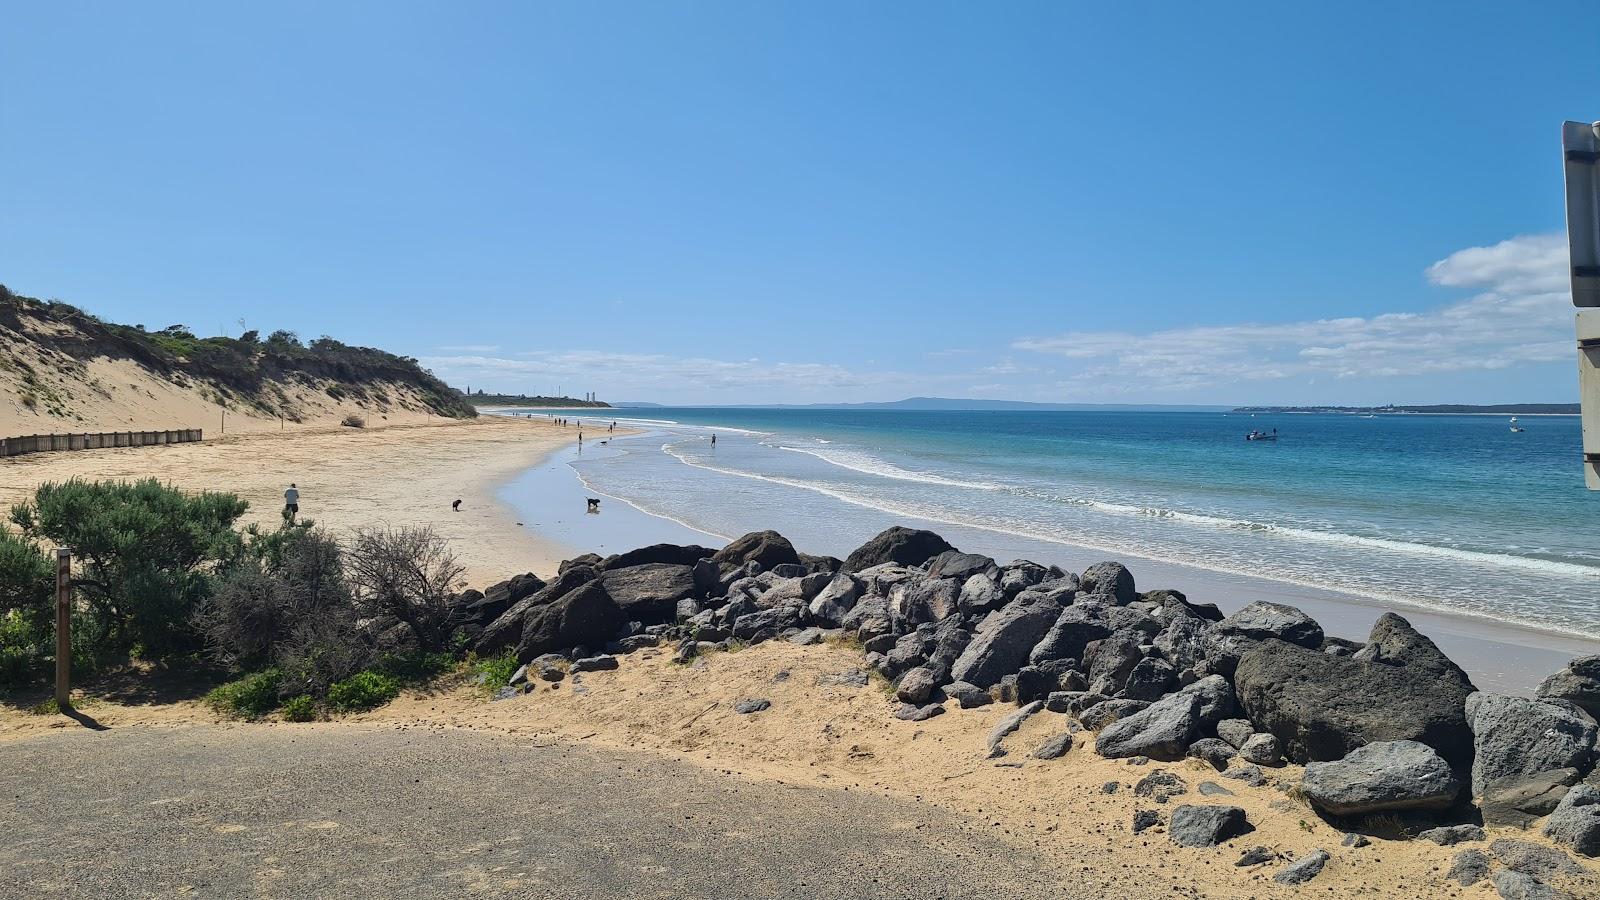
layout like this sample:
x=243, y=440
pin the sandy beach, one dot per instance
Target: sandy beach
x=398, y=475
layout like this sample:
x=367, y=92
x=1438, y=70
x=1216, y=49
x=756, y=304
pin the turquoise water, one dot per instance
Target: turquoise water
x=1447, y=512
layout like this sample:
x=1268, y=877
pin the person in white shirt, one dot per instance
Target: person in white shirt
x=291, y=504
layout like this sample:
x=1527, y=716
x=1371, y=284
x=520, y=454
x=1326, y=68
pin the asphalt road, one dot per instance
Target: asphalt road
x=337, y=811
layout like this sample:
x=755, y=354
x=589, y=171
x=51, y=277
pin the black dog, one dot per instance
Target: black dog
x=594, y=504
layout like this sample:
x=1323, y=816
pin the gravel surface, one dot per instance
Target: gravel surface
x=336, y=810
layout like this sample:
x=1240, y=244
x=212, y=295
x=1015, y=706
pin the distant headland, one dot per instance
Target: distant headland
x=1437, y=409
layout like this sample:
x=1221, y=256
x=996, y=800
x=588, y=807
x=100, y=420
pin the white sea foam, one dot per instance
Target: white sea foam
x=867, y=464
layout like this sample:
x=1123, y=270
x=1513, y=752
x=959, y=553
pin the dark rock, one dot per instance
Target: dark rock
x=1515, y=736
x=1355, y=840
x=1058, y=701
x=1303, y=869
x=591, y=560
x=671, y=554
x=1261, y=749
x=1250, y=775
x=585, y=616
x=1578, y=683
x=594, y=663
x=960, y=566
x=1533, y=859
x=1216, y=698
x=835, y=600
x=1321, y=707
x=869, y=618
x=766, y=623
x=821, y=564
x=507, y=692
x=1235, y=731
x=1386, y=775
x=1150, y=679
x=1519, y=799
x=1144, y=819
x=904, y=546
x=1206, y=826
x=913, y=713
x=1576, y=820
x=1111, y=660
x=1003, y=640
x=1263, y=620
x=949, y=641
x=1009, y=724
x=1213, y=751
x=1468, y=868
x=790, y=570
x=507, y=628
x=1513, y=885
x=768, y=548
x=1071, y=632
x=1212, y=789
x=1110, y=787
x=1055, y=747
x=752, y=705
x=492, y=603
x=1450, y=835
x=883, y=643
x=1164, y=730
x=980, y=595
x=1255, y=856
x=909, y=651
x=916, y=686
x=708, y=578
x=1019, y=575
x=968, y=695
x=806, y=637
x=650, y=592
x=852, y=678
x=1160, y=786
x=923, y=601
x=1183, y=642
x=1109, y=579
x=1106, y=712
x=1035, y=683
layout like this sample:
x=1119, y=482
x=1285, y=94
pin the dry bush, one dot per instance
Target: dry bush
x=408, y=574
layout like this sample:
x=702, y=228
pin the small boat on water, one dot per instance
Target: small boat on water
x=1515, y=428
x=1262, y=435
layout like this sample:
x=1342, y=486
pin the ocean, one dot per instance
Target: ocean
x=1455, y=514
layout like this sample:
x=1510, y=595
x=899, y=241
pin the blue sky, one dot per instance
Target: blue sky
x=746, y=202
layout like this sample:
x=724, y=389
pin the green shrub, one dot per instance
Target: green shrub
x=249, y=697
x=145, y=556
x=413, y=668
x=363, y=691
x=496, y=670
x=300, y=709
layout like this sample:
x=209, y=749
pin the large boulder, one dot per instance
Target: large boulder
x=1520, y=799
x=1385, y=775
x=496, y=599
x=1162, y=730
x=1263, y=620
x=1071, y=633
x=584, y=617
x=765, y=548
x=1515, y=736
x=1109, y=579
x=835, y=600
x=673, y=554
x=868, y=619
x=1578, y=683
x=1576, y=820
x=1001, y=644
x=1019, y=575
x=900, y=545
x=650, y=592
x=506, y=630
x=920, y=601
x=1183, y=642
x=958, y=565
x=981, y=594
x=1321, y=706
x=1394, y=642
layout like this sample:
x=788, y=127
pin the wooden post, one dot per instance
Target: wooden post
x=64, y=627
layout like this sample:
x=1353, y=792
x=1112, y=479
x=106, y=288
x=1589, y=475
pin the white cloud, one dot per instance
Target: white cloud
x=1522, y=316
x=470, y=348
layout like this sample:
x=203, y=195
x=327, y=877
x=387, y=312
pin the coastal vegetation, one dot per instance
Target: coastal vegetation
x=480, y=398
x=48, y=346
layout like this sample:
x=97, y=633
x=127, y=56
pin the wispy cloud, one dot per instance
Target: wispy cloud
x=1521, y=316
x=469, y=348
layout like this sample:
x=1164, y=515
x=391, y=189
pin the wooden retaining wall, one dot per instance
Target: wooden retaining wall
x=44, y=443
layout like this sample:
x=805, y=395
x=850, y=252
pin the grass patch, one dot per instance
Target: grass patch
x=416, y=668
x=495, y=671
x=846, y=640
x=250, y=697
x=300, y=709
x=46, y=708
x=363, y=691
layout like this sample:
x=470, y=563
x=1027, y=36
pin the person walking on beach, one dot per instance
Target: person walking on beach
x=456, y=506
x=713, y=440
x=291, y=504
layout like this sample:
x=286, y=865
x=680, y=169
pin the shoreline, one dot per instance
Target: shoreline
x=1501, y=656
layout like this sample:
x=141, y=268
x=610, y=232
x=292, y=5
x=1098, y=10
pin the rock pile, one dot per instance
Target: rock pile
x=1386, y=725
